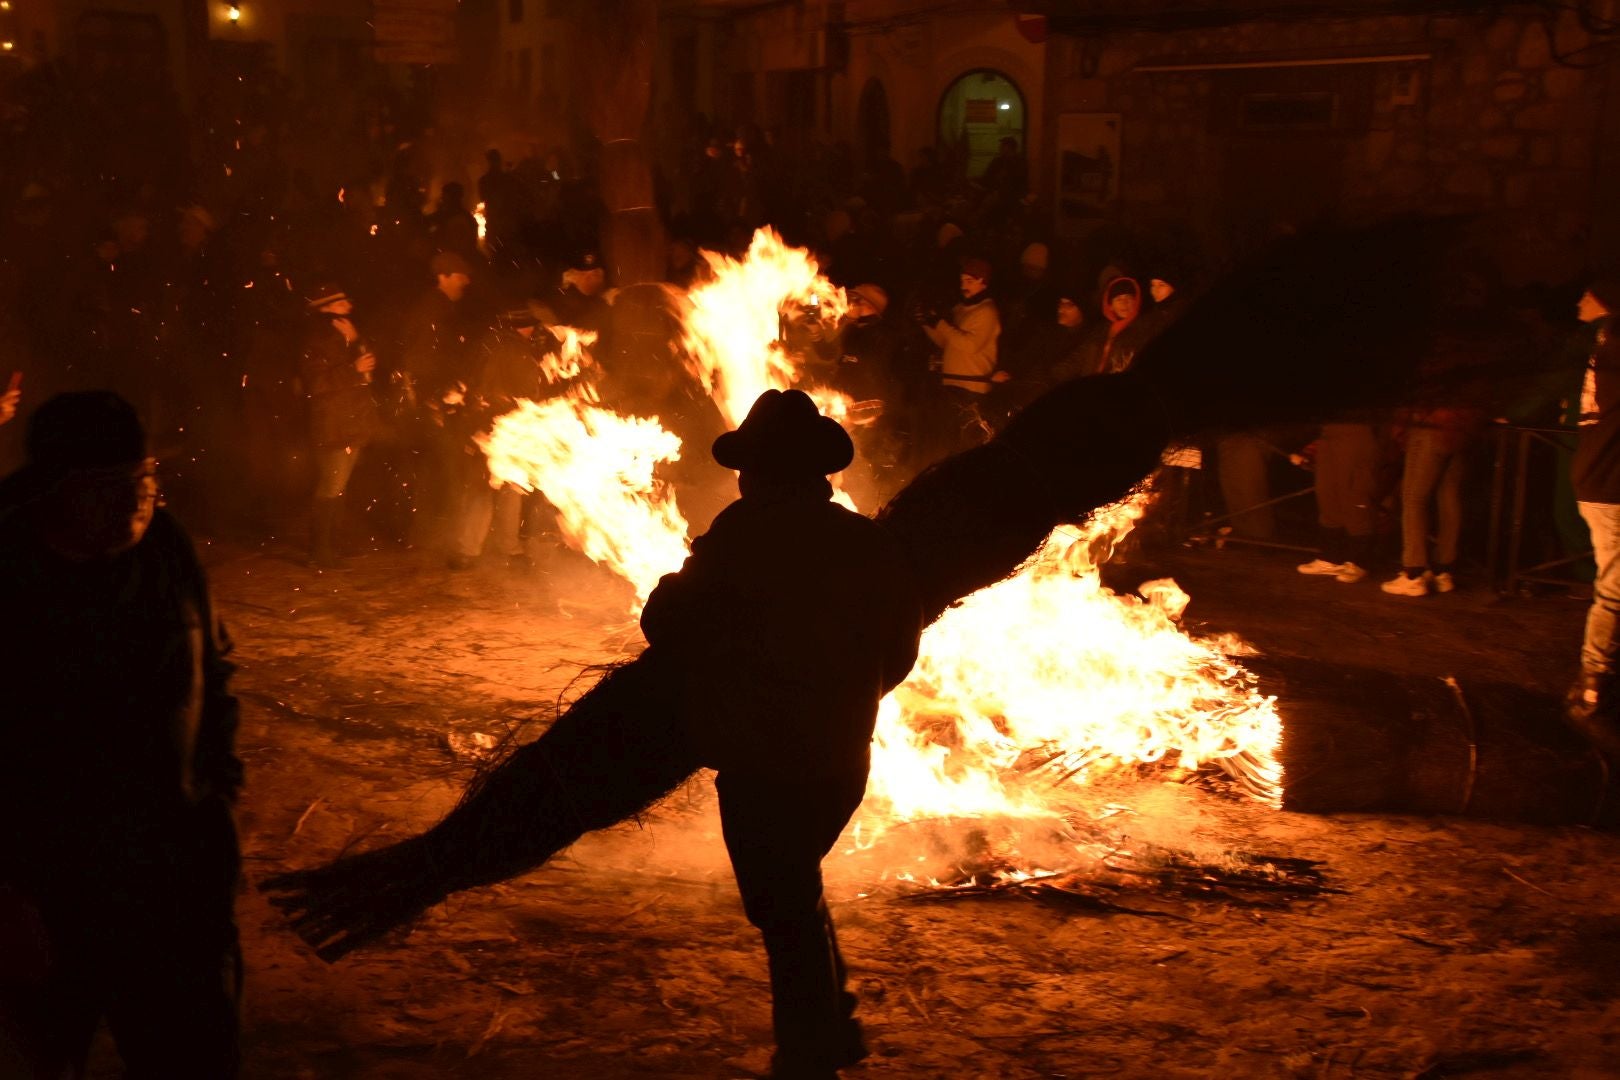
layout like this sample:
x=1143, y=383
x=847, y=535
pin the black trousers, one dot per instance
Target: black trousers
x=777, y=830
x=151, y=950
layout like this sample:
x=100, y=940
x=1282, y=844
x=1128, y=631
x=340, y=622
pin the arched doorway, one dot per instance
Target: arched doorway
x=872, y=122
x=977, y=111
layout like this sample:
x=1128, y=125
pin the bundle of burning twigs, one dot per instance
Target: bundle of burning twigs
x=1275, y=342
x=607, y=758
x=1124, y=878
x=1249, y=775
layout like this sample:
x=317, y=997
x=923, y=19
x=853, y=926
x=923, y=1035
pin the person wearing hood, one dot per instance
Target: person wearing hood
x=1122, y=307
x=119, y=860
x=820, y=604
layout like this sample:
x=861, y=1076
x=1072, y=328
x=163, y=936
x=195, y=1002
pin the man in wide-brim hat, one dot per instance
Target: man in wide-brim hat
x=816, y=602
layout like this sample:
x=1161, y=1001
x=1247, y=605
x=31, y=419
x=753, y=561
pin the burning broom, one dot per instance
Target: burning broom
x=1328, y=322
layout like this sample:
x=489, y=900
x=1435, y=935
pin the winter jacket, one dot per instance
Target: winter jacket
x=969, y=340
x=342, y=408
x=435, y=347
x=119, y=728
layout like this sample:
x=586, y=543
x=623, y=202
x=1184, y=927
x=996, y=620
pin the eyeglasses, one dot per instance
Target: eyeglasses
x=107, y=481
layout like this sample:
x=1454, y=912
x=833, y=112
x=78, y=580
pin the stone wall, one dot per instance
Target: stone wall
x=1482, y=117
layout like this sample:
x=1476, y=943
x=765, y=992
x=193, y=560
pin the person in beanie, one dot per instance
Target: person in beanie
x=968, y=340
x=1593, y=705
x=819, y=602
x=337, y=368
x=119, y=857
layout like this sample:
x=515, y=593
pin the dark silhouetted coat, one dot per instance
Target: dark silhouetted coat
x=816, y=604
x=342, y=409
x=118, y=723
x=116, y=786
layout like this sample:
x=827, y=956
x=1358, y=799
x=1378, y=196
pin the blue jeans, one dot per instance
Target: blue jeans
x=1432, y=471
x=333, y=467
x=1600, y=645
x=493, y=514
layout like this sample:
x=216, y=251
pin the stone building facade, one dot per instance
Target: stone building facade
x=873, y=74
x=1235, y=132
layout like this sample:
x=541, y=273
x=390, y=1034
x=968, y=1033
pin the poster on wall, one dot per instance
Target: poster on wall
x=1087, y=169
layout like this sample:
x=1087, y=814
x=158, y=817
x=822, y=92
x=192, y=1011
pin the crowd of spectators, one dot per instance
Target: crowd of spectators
x=278, y=291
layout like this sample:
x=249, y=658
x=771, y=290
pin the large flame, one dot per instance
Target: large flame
x=596, y=467
x=734, y=323
x=1049, y=676
x=1046, y=678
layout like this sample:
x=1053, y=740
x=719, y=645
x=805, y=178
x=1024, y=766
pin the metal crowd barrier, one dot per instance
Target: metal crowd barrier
x=1510, y=479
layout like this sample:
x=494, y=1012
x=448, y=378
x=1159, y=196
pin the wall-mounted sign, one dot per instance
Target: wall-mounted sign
x=979, y=111
x=1087, y=169
x=401, y=25
x=415, y=31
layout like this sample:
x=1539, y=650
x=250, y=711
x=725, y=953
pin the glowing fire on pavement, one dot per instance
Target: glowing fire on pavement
x=1049, y=677
x=1044, y=680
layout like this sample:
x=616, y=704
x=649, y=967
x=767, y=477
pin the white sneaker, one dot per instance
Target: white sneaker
x=1443, y=582
x=1321, y=568
x=1350, y=573
x=1401, y=585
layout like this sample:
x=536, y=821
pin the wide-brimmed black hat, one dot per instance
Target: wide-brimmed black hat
x=784, y=435
x=87, y=429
